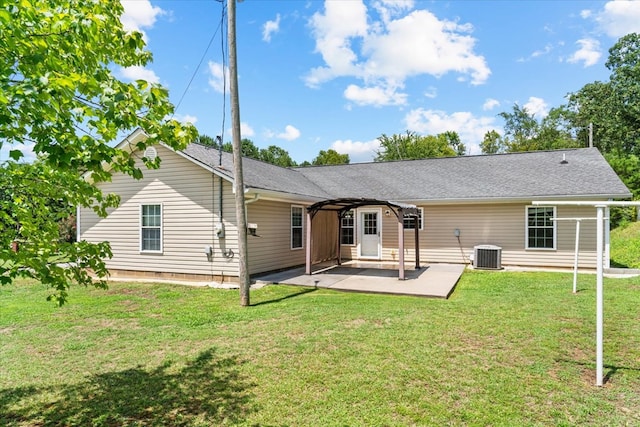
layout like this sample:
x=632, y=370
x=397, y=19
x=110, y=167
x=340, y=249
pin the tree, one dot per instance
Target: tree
x=596, y=104
x=628, y=169
x=413, y=146
x=492, y=143
x=613, y=107
x=58, y=93
x=248, y=149
x=276, y=156
x=624, y=63
x=520, y=129
x=556, y=131
x=331, y=157
x=273, y=154
x=207, y=141
x=453, y=140
x=524, y=132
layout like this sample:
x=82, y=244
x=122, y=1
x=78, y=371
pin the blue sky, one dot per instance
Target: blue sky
x=315, y=75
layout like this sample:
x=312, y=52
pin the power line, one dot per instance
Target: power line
x=200, y=63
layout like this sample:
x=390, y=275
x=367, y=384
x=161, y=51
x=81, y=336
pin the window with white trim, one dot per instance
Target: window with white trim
x=541, y=229
x=409, y=221
x=151, y=228
x=347, y=223
x=297, y=223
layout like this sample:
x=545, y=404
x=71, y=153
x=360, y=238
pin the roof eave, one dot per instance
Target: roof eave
x=519, y=199
x=280, y=196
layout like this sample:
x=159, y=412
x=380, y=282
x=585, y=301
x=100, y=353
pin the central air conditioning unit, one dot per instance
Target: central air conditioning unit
x=487, y=257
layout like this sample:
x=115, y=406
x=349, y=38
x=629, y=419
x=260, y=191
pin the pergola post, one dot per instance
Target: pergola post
x=339, y=249
x=416, y=227
x=308, y=248
x=400, y=245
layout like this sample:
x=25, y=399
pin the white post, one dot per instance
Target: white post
x=600, y=233
x=607, y=237
x=575, y=261
x=599, y=292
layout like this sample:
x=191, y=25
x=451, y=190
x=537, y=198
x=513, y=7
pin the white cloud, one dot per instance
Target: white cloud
x=420, y=43
x=376, y=96
x=471, y=129
x=586, y=13
x=218, y=76
x=333, y=31
x=357, y=151
x=139, y=14
x=431, y=92
x=537, y=106
x=137, y=72
x=541, y=52
x=290, y=133
x=245, y=130
x=620, y=17
x=391, y=49
x=389, y=8
x=589, y=52
x=490, y=104
x=270, y=27
x=538, y=53
x=27, y=152
x=186, y=118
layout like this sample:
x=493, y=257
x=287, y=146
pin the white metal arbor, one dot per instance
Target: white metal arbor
x=600, y=207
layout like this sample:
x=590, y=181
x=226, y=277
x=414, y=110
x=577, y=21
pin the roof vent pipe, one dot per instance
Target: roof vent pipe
x=564, y=159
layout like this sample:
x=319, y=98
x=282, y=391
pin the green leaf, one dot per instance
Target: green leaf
x=16, y=154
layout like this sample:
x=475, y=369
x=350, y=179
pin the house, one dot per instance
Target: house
x=179, y=221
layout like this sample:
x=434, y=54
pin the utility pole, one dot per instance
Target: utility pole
x=238, y=182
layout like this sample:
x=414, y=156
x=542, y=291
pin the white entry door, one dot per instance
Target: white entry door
x=369, y=233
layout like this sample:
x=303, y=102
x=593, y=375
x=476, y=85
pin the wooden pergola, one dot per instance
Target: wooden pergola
x=343, y=205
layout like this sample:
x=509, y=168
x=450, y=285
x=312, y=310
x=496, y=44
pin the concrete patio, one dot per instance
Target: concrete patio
x=434, y=280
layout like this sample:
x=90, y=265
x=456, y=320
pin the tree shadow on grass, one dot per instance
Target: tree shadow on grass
x=207, y=391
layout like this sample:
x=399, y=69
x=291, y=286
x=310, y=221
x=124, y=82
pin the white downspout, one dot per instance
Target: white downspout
x=607, y=237
x=78, y=233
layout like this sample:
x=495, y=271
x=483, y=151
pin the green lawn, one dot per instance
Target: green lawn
x=506, y=349
x=625, y=246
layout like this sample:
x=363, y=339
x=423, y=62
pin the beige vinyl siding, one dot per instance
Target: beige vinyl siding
x=189, y=198
x=272, y=250
x=497, y=224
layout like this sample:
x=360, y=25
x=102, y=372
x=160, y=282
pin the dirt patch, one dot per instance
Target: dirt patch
x=355, y=323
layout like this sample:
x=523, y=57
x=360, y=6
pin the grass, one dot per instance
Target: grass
x=506, y=349
x=625, y=246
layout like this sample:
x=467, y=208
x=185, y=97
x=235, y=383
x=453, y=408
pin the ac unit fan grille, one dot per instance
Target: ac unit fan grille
x=488, y=257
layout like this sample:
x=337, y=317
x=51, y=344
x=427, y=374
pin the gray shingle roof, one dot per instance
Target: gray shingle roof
x=503, y=176
x=257, y=174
